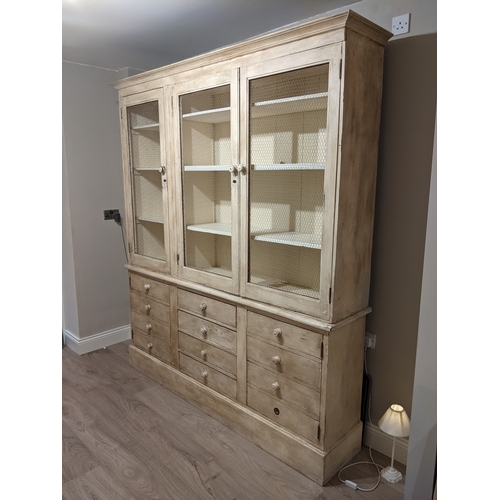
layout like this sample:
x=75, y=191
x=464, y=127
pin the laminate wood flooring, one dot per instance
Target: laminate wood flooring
x=124, y=437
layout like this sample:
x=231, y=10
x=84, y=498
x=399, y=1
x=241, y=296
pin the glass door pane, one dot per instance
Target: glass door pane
x=287, y=139
x=206, y=183
x=145, y=157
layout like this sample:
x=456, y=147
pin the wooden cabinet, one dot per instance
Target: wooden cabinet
x=250, y=183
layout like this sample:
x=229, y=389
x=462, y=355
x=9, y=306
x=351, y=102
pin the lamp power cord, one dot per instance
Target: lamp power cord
x=352, y=484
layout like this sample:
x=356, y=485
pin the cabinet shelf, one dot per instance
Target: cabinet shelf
x=206, y=168
x=155, y=220
x=284, y=286
x=219, y=228
x=293, y=238
x=146, y=169
x=296, y=104
x=289, y=166
x=151, y=126
x=220, y=115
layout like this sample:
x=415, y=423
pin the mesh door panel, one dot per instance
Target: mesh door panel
x=145, y=155
x=287, y=155
x=206, y=157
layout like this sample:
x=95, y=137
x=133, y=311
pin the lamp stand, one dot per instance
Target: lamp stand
x=390, y=473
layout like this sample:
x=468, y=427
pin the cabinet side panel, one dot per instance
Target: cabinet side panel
x=363, y=66
x=344, y=381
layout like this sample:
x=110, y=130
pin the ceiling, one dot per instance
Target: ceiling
x=146, y=34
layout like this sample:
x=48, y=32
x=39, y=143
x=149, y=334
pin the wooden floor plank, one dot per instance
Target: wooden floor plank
x=97, y=484
x=76, y=457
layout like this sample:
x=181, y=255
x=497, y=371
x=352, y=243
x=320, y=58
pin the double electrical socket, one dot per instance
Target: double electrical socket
x=401, y=24
x=370, y=339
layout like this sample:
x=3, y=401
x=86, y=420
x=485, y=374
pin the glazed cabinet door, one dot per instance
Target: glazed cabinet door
x=206, y=166
x=290, y=142
x=144, y=131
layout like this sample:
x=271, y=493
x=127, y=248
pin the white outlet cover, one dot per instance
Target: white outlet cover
x=401, y=24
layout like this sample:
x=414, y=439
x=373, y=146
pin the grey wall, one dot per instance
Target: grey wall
x=94, y=278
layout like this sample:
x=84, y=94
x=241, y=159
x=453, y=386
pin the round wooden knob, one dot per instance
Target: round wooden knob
x=150, y=346
x=147, y=307
x=241, y=169
x=203, y=353
x=203, y=307
x=161, y=170
x=277, y=332
x=276, y=387
x=276, y=360
x=147, y=286
x=233, y=169
x=204, y=330
x=204, y=374
x=149, y=326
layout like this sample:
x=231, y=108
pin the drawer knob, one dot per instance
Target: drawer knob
x=204, y=330
x=147, y=286
x=276, y=360
x=149, y=326
x=203, y=307
x=276, y=387
x=147, y=307
x=203, y=353
x=204, y=374
x=150, y=346
x=277, y=332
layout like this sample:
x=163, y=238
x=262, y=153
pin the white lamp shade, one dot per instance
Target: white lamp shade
x=395, y=422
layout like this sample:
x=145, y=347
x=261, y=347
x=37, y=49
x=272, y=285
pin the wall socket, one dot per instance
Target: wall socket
x=401, y=24
x=370, y=340
x=112, y=215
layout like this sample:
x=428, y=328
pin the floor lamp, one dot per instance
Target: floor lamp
x=396, y=423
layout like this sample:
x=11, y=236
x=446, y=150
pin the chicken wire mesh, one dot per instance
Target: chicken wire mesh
x=145, y=158
x=288, y=119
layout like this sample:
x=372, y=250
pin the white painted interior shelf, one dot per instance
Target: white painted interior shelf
x=146, y=169
x=219, y=115
x=296, y=104
x=151, y=126
x=292, y=238
x=289, y=166
x=220, y=228
x=206, y=168
x=156, y=220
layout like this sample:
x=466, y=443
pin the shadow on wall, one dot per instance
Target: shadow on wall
x=403, y=180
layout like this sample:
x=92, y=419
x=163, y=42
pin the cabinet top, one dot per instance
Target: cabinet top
x=339, y=23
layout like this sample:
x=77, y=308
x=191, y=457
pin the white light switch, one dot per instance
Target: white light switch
x=401, y=24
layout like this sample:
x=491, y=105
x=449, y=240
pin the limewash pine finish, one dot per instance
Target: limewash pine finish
x=250, y=186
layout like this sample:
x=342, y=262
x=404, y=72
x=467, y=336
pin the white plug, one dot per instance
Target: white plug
x=351, y=484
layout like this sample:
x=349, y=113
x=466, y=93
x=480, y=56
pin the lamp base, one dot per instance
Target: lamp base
x=391, y=474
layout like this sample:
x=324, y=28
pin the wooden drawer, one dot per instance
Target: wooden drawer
x=142, y=303
x=283, y=414
x=208, y=376
x=284, y=389
x=277, y=360
x=207, y=331
x=150, y=288
x=206, y=307
x=150, y=326
x=208, y=353
x=153, y=346
x=285, y=334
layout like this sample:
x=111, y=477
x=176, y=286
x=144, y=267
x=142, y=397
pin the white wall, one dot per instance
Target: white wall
x=423, y=437
x=95, y=287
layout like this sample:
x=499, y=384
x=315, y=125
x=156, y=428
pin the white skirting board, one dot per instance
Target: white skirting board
x=97, y=341
x=382, y=442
